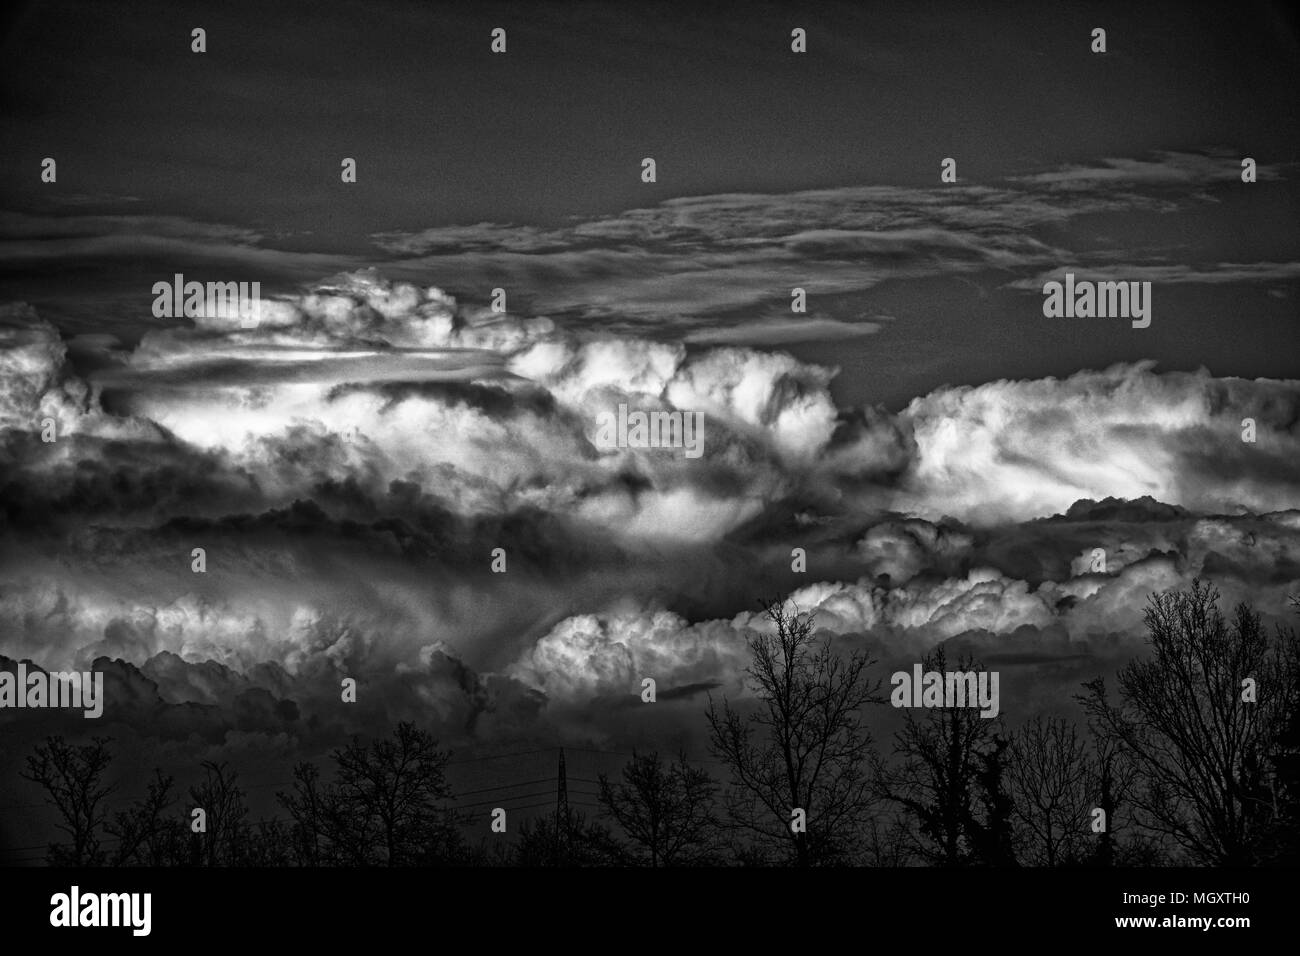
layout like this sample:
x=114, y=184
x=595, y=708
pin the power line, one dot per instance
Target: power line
x=627, y=753
x=504, y=786
x=483, y=803
x=522, y=753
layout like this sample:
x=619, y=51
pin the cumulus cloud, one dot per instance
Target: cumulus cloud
x=36, y=383
x=1016, y=450
x=1089, y=616
x=594, y=655
x=254, y=660
x=901, y=549
x=366, y=382
x=351, y=464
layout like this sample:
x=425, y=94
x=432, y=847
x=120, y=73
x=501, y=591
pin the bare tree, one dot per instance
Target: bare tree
x=384, y=807
x=72, y=777
x=666, y=809
x=222, y=801
x=1284, y=761
x=1124, y=841
x=803, y=747
x=991, y=829
x=1201, y=749
x=1051, y=774
x=549, y=841
x=314, y=820
x=268, y=843
x=888, y=841
x=935, y=776
x=144, y=835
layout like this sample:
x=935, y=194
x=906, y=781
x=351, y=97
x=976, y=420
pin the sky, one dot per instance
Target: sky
x=947, y=455
x=228, y=162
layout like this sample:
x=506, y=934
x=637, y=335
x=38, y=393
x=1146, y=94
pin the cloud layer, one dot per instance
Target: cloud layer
x=351, y=466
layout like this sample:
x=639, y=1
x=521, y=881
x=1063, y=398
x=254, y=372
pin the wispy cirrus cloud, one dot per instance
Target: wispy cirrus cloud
x=1163, y=168
x=1214, y=273
x=784, y=330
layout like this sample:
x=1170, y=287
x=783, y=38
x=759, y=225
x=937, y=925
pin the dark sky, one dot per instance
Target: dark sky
x=350, y=475
x=248, y=138
x=251, y=133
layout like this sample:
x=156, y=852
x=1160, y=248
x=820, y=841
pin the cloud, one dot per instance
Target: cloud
x=364, y=382
x=211, y=666
x=1163, y=168
x=902, y=548
x=694, y=259
x=689, y=265
x=590, y=656
x=1015, y=450
x=36, y=241
x=92, y=199
x=1220, y=273
x=692, y=266
x=32, y=370
x=784, y=331
x=1090, y=621
x=351, y=465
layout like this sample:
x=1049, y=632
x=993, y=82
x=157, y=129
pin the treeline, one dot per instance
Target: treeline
x=1194, y=758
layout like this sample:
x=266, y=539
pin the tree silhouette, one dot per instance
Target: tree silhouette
x=936, y=775
x=268, y=843
x=1202, y=751
x=316, y=830
x=1124, y=841
x=552, y=842
x=665, y=809
x=802, y=747
x=992, y=831
x=72, y=777
x=384, y=807
x=1051, y=774
x=1284, y=761
x=888, y=842
x=144, y=835
x=222, y=800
